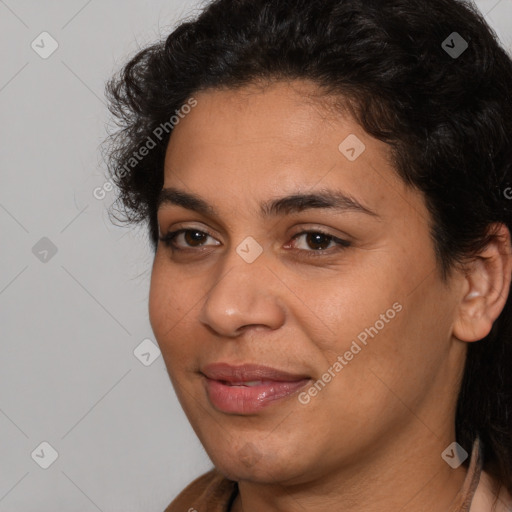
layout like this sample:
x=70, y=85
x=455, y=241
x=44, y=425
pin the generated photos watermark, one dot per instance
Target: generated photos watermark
x=158, y=133
x=343, y=360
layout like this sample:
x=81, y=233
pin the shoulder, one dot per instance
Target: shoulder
x=209, y=492
x=489, y=497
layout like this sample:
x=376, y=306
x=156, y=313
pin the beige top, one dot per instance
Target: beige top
x=212, y=492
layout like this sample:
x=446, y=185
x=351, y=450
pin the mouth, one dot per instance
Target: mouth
x=247, y=389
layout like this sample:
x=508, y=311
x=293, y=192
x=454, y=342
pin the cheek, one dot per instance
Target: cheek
x=388, y=337
x=401, y=360
x=165, y=307
x=168, y=295
x=355, y=308
x=158, y=304
x=172, y=307
x=376, y=379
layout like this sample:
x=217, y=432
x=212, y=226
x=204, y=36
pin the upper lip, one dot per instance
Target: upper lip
x=248, y=372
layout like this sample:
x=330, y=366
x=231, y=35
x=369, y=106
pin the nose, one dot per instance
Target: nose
x=247, y=295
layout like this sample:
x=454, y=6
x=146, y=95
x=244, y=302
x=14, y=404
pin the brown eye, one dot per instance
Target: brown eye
x=194, y=238
x=318, y=241
x=188, y=238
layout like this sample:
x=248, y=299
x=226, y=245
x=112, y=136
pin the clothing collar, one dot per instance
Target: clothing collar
x=462, y=502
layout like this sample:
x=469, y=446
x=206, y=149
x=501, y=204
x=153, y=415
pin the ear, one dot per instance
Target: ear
x=486, y=287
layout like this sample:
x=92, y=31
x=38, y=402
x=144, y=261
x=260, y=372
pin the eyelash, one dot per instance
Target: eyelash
x=169, y=238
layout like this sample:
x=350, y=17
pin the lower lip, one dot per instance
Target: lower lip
x=249, y=399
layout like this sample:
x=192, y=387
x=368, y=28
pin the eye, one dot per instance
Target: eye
x=318, y=242
x=192, y=238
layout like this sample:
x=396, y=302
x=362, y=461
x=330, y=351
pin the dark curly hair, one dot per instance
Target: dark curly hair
x=447, y=119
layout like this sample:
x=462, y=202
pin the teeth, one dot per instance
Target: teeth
x=248, y=383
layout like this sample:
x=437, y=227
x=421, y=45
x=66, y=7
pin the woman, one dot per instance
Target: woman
x=326, y=185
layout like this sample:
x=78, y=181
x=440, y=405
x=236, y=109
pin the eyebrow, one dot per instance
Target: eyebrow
x=295, y=203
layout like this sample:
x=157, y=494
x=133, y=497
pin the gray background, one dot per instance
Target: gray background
x=72, y=319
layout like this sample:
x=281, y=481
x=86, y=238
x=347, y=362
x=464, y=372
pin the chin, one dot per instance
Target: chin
x=251, y=463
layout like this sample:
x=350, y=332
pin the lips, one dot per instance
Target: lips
x=248, y=372
x=248, y=388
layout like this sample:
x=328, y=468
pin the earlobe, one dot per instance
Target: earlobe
x=486, y=288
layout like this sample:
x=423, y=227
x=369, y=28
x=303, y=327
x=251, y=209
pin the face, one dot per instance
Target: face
x=303, y=264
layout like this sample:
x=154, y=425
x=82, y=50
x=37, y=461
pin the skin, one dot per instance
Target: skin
x=372, y=438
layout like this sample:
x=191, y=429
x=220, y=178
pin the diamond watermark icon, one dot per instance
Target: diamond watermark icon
x=44, y=45
x=147, y=352
x=249, y=455
x=44, y=455
x=454, y=455
x=249, y=250
x=44, y=250
x=352, y=147
x=455, y=45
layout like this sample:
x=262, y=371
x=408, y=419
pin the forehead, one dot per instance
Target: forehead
x=294, y=113
x=279, y=139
